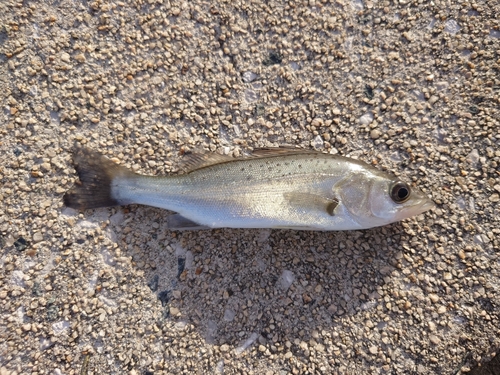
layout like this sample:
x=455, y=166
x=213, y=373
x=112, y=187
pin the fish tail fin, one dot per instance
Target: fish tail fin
x=96, y=173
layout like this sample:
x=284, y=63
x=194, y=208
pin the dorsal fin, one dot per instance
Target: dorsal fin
x=268, y=152
x=195, y=161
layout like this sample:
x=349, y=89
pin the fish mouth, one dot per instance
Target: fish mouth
x=420, y=206
x=423, y=205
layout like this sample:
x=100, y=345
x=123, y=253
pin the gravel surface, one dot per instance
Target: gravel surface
x=411, y=86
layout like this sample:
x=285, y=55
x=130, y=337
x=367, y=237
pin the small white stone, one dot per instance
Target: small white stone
x=318, y=142
x=249, y=77
x=65, y=57
x=451, y=26
x=60, y=327
x=286, y=279
x=366, y=119
x=37, y=237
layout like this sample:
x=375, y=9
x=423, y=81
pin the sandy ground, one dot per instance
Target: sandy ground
x=412, y=86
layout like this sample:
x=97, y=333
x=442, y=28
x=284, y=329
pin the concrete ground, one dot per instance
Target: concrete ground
x=410, y=86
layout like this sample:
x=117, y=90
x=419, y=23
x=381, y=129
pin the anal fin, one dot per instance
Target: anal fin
x=179, y=222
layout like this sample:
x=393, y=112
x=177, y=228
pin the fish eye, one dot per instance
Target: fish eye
x=400, y=192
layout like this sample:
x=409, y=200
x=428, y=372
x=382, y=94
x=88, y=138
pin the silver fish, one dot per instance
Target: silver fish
x=272, y=188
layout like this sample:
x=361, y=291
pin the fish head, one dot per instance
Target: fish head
x=378, y=199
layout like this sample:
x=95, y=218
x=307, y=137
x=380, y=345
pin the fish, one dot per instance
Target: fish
x=279, y=188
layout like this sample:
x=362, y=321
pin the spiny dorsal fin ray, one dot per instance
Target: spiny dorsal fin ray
x=195, y=161
x=269, y=152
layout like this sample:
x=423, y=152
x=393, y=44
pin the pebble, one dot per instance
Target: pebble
x=5, y=371
x=80, y=58
x=249, y=77
x=317, y=122
x=375, y=134
x=366, y=119
x=433, y=297
x=433, y=99
x=441, y=309
x=431, y=236
x=473, y=157
x=494, y=198
x=37, y=237
x=65, y=57
x=434, y=339
x=286, y=280
x=451, y=26
x=174, y=311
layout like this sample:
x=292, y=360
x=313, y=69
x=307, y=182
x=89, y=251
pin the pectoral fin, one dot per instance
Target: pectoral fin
x=308, y=201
